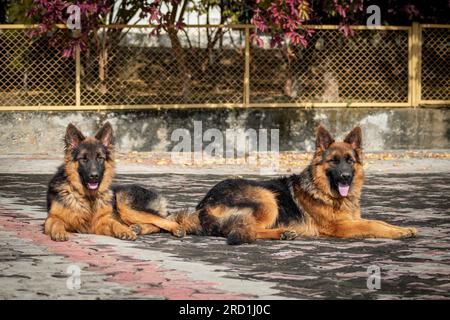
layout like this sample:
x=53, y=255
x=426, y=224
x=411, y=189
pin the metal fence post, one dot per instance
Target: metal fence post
x=415, y=64
x=77, y=78
x=247, y=68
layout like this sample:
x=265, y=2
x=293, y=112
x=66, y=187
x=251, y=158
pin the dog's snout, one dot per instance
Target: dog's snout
x=93, y=175
x=346, y=176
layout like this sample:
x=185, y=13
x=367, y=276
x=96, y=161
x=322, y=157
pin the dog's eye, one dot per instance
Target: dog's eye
x=100, y=158
x=350, y=160
x=83, y=160
x=335, y=160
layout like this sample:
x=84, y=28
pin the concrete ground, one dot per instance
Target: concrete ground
x=408, y=192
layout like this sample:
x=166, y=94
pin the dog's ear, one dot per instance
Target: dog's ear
x=354, y=138
x=73, y=137
x=105, y=135
x=323, y=138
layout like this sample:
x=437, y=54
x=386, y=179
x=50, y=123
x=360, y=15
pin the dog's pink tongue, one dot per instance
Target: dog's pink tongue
x=343, y=189
x=93, y=185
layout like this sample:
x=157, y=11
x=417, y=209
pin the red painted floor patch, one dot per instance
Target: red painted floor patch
x=144, y=277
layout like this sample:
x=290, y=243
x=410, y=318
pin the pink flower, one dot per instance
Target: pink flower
x=254, y=38
x=276, y=41
x=346, y=30
x=340, y=10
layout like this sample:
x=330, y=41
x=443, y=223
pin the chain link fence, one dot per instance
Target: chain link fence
x=217, y=66
x=31, y=74
x=371, y=66
x=435, y=84
x=207, y=67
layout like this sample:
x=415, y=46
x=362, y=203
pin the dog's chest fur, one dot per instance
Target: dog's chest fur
x=85, y=209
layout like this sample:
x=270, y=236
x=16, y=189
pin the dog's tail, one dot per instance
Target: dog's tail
x=188, y=220
x=239, y=229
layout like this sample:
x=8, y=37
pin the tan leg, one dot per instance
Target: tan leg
x=275, y=234
x=107, y=226
x=148, y=229
x=131, y=216
x=370, y=229
x=54, y=227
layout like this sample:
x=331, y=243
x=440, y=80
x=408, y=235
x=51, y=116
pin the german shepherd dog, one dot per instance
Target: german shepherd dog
x=80, y=197
x=323, y=200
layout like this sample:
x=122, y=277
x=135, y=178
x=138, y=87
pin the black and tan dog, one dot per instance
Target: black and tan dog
x=323, y=200
x=80, y=197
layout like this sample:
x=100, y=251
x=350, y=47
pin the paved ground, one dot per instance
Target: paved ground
x=161, y=267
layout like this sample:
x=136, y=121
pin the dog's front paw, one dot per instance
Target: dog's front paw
x=137, y=229
x=288, y=235
x=411, y=232
x=126, y=235
x=178, y=232
x=407, y=232
x=61, y=235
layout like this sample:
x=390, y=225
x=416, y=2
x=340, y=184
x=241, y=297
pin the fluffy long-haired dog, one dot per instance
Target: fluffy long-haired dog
x=80, y=197
x=323, y=200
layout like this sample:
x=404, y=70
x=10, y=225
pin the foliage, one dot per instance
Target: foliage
x=284, y=20
x=17, y=11
x=50, y=13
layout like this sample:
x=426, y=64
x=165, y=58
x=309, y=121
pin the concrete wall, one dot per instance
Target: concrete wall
x=150, y=130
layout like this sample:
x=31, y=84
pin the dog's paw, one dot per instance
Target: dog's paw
x=288, y=235
x=179, y=232
x=59, y=236
x=410, y=232
x=127, y=235
x=407, y=232
x=137, y=229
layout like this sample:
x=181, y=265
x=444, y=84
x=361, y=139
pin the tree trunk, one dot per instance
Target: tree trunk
x=290, y=85
x=102, y=69
x=102, y=52
x=180, y=57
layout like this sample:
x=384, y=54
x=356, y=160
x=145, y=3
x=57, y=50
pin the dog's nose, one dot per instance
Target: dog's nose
x=93, y=176
x=346, y=176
